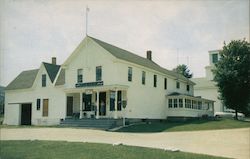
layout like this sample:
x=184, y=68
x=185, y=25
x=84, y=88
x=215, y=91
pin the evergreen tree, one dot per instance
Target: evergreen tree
x=183, y=69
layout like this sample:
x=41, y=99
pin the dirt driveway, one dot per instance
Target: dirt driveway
x=233, y=143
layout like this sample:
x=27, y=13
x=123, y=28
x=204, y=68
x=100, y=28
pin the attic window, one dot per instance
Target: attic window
x=79, y=75
x=44, y=80
x=98, y=73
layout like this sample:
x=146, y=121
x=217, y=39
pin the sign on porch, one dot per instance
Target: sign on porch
x=89, y=84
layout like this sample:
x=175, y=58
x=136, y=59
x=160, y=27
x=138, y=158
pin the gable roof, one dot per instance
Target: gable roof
x=24, y=80
x=133, y=58
x=52, y=70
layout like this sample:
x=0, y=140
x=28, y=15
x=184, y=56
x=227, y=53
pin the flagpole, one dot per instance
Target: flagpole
x=87, y=21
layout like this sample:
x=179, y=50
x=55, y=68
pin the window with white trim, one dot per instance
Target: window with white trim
x=79, y=75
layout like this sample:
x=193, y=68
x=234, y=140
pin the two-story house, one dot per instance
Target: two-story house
x=99, y=80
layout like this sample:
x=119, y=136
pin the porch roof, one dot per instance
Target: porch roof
x=179, y=95
x=96, y=88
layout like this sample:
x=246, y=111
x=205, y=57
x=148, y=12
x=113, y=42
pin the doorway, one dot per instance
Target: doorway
x=87, y=102
x=102, y=103
x=25, y=114
x=69, y=105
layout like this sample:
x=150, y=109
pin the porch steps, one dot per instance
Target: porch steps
x=91, y=123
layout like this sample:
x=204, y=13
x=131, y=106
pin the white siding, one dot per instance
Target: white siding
x=56, y=98
x=90, y=56
x=12, y=114
x=146, y=101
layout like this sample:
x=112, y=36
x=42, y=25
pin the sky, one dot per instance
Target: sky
x=177, y=32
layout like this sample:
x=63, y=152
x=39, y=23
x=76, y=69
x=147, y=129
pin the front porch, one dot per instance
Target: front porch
x=96, y=102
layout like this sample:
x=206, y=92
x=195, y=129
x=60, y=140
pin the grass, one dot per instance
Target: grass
x=30, y=126
x=76, y=150
x=193, y=125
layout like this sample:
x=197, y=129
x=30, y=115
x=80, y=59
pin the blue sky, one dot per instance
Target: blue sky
x=33, y=31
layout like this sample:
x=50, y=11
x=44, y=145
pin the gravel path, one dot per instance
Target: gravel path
x=233, y=143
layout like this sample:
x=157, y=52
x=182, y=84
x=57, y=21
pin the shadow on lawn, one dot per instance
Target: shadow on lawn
x=160, y=126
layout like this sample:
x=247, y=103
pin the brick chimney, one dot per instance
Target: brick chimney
x=53, y=60
x=149, y=55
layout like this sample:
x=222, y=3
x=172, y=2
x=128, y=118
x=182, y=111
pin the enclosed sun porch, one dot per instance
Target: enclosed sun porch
x=181, y=105
x=96, y=102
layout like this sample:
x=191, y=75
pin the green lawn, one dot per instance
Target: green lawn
x=77, y=150
x=192, y=125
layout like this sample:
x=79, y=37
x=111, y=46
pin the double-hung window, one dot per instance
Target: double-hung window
x=38, y=104
x=177, y=84
x=143, y=79
x=155, y=80
x=170, y=104
x=175, y=103
x=188, y=87
x=180, y=103
x=98, y=73
x=130, y=72
x=165, y=83
x=79, y=76
x=214, y=58
x=44, y=80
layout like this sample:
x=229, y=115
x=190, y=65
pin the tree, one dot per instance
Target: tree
x=183, y=69
x=232, y=74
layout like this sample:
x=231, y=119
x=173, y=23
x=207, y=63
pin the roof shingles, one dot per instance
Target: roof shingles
x=24, y=80
x=52, y=70
x=133, y=58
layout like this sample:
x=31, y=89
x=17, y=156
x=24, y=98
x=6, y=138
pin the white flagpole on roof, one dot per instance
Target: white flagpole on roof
x=87, y=10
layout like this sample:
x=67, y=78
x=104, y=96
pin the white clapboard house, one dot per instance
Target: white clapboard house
x=97, y=81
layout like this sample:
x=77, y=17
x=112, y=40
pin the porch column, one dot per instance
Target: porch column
x=212, y=103
x=184, y=104
x=81, y=106
x=178, y=106
x=97, y=104
x=115, y=115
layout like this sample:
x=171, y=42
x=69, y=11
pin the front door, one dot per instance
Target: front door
x=87, y=102
x=26, y=114
x=102, y=103
x=69, y=106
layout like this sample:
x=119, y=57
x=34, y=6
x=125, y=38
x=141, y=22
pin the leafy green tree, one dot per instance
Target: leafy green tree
x=232, y=74
x=183, y=69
